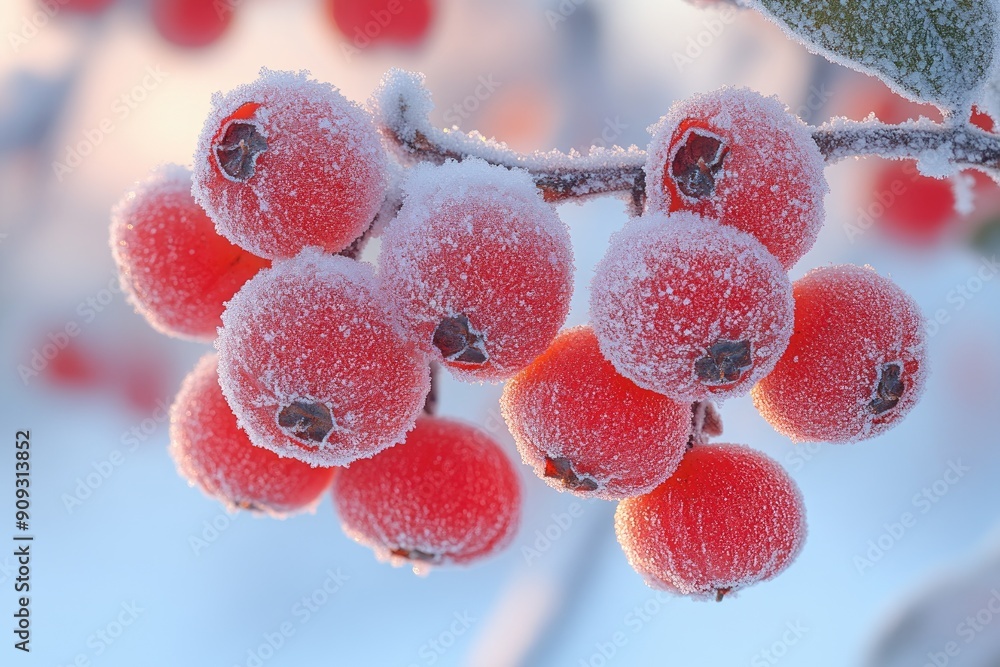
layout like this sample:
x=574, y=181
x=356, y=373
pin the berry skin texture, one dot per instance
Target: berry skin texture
x=478, y=267
x=287, y=162
x=743, y=159
x=586, y=429
x=856, y=363
x=381, y=21
x=728, y=518
x=191, y=23
x=312, y=366
x=448, y=494
x=689, y=308
x=175, y=268
x=212, y=452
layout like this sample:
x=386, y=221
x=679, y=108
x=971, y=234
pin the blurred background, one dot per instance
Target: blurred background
x=132, y=567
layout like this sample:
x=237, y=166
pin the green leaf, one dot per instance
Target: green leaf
x=937, y=51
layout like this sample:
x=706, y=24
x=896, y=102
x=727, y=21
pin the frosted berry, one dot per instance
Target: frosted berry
x=856, y=363
x=311, y=363
x=287, y=162
x=381, y=21
x=448, y=494
x=585, y=428
x=690, y=308
x=191, y=23
x=478, y=267
x=212, y=452
x=742, y=159
x=728, y=518
x=174, y=266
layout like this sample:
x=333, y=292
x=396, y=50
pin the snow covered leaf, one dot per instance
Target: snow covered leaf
x=938, y=51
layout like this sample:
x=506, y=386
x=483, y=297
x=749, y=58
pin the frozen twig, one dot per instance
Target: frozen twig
x=403, y=106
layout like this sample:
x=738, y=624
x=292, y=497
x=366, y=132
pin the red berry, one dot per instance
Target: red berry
x=855, y=364
x=373, y=21
x=311, y=363
x=448, y=494
x=286, y=162
x=586, y=429
x=192, y=23
x=690, y=308
x=728, y=518
x=920, y=207
x=212, y=452
x=744, y=160
x=479, y=268
x=177, y=271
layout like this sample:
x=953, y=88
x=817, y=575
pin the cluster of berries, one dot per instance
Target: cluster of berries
x=324, y=364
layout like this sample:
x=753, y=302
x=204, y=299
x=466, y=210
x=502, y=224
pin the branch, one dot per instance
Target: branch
x=942, y=146
x=403, y=106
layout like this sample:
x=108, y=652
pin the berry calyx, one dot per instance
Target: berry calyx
x=729, y=517
x=446, y=495
x=854, y=366
x=212, y=452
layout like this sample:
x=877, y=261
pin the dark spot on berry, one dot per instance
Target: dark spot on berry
x=725, y=363
x=416, y=555
x=458, y=341
x=697, y=162
x=561, y=469
x=721, y=593
x=890, y=389
x=250, y=506
x=237, y=152
x=306, y=420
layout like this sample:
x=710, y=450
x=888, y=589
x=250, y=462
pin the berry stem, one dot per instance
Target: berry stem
x=403, y=105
